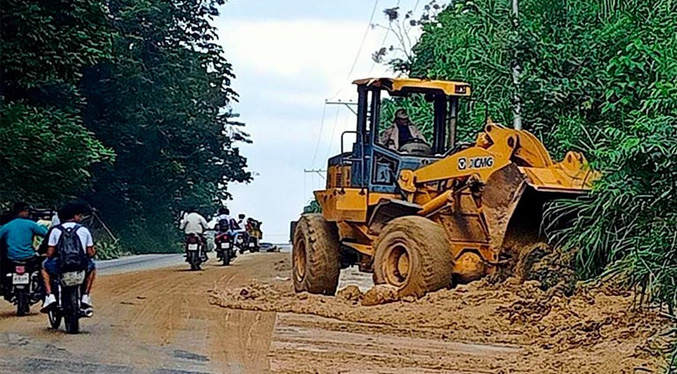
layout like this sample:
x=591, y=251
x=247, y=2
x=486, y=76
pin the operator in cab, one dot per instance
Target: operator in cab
x=401, y=132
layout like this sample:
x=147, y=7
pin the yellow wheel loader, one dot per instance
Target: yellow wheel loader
x=432, y=212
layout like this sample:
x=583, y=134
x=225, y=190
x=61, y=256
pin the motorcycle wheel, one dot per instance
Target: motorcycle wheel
x=226, y=257
x=54, y=318
x=71, y=310
x=23, y=307
x=192, y=260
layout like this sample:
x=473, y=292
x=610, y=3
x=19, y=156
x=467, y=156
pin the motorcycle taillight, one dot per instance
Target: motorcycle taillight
x=20, y=269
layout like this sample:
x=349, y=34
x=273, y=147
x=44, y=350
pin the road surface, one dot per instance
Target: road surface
x=154, y=316
x=148, y=321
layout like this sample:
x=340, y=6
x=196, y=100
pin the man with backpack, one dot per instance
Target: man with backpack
x=70, y=247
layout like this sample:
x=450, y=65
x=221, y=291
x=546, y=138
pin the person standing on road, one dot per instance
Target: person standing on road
x=71, y=215
x=194, y=223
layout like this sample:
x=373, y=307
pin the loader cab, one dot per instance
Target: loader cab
x=373, y=165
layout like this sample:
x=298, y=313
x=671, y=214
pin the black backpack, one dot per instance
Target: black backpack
x=224, y=225
x=70, y=250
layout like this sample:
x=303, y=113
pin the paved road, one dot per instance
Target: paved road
x=138, y=263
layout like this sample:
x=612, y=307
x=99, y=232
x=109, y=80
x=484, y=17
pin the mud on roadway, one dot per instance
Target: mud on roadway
x=246, y=319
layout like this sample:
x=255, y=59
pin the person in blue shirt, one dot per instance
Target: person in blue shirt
x=18, y=234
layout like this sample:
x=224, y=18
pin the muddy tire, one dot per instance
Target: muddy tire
x=413, y=254
x=315, y=256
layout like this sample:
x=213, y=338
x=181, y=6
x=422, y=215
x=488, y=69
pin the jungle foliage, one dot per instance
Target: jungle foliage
x=598, y=77
x=123, y=104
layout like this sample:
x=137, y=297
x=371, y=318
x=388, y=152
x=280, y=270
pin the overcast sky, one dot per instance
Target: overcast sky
x=289, y=56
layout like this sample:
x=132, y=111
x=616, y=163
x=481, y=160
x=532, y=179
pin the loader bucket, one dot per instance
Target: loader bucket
x=513, y=204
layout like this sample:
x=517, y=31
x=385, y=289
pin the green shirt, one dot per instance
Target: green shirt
x=18, y=236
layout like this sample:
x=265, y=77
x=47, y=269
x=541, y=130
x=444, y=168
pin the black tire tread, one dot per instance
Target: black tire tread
x=323, y=263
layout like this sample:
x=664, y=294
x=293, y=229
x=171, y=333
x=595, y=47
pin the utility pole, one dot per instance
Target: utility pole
x=316, y=171
x=348, y=104
x=516, y=71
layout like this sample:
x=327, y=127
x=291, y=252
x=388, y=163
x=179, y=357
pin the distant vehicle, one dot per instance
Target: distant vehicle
x=253, y=228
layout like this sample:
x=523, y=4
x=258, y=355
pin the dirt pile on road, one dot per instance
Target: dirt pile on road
x=594, y=330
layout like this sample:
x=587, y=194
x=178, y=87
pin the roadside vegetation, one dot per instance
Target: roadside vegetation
x=599, y=77
x=123, y=104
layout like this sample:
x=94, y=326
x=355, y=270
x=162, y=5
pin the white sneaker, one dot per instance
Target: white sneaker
x=50, y=300
x=86, y=301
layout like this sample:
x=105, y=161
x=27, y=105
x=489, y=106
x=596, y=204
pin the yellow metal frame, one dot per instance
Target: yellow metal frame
x=498, y=155
x=397, y=85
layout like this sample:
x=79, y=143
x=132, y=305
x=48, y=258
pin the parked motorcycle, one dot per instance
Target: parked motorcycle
x=67, y=288
x=195, y=251
x=22, y=285
x=225, y=250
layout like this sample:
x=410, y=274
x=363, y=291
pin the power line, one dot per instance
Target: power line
x=385, y=39
x=333, y=130
x=319, y=135
x=359, y=50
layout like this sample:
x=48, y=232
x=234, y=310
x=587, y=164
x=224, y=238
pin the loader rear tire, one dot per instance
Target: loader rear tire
x=316, y=261
x=414, y=255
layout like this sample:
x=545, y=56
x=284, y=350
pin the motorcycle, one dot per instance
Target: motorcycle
x=241, y=240
x=67, y=288
x=23, y=285
x=253, y=228
x=195, y=251
x=225, y=250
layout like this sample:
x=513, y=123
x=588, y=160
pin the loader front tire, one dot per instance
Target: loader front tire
x=315, y=256
x=414, y=255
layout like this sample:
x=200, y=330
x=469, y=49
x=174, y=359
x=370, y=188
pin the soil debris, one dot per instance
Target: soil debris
x=380, y=294
x=350, y=295
x=595, y=330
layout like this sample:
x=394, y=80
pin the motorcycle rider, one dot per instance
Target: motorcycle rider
x=223, y=221
x=239, y=227
x=17, y=237
x=70, y=215
x=194, y=223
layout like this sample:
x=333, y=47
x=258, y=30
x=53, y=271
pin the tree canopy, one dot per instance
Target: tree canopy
x=599, y=77
x=124, y=104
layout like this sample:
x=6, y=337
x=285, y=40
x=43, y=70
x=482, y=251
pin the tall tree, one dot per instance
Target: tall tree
x=598, y=76
x=47, y=154
x=122, y=103
x=162, y=103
